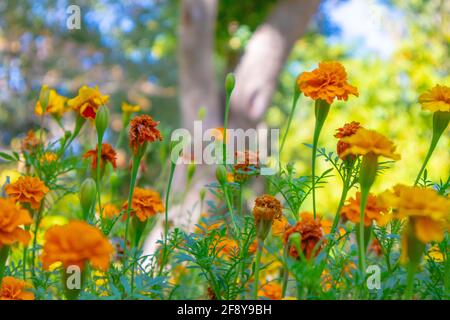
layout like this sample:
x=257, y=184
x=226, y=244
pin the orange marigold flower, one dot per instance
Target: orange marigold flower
x=88, y=101
x=267, y=208
x=143, y=129
x=48, y=157
x=229, y=247
x=369, y=141
x=374, y=211
x=145, y=204
x=12, y=216
x=110, y=211
x=30, y=142
x=311, y=234
x=270, y=290
x=247, y=162
x=27, y=190
x=327, y=82
x=436, y=99
x=15, y=289
x=347, y=130
x=108, y=154
x=76, y=243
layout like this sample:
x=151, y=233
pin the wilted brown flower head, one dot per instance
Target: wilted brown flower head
x=30, y=142
x=311, y=233
x=347, y=130
x=143, y=129
x=267, y=208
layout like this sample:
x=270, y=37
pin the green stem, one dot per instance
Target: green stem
x=225, y=127
x=230, y=209
x=4, y=252
x=166, y=216
x=440, y=123
x=361, y=239
x=291, y=116
x=134, y=170
x=240, y=200
x=98, y=180
x=285, y=272
x=339, y=208
x=257, y=266
x=321, y=111
x=24, y=263
x=412, y=267
x=78, y=125
x=36, y=228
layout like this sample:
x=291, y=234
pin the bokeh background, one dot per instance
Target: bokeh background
x=171, y=57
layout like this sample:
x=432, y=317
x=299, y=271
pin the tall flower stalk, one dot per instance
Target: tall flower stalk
x=323, y=84
x=370, y=145
x=266, y=209
x=436, y=100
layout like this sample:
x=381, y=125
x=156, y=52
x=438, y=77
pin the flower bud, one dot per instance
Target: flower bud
x=202, y=194
x=201, y=113
x=88, y=191
x=191, y=171
x=295, y=241
x=221, y=174
x=230, y=81
x=368, y=171
x=44, y=97
x=102, y=120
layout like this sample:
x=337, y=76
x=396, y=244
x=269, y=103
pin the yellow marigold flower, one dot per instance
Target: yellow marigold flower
x=436, y=99
x=270, y=290
x=327, y=82
x=311, y=233
x=143, y=129
x=27, y=190
x=366, y=141
x=12, y=216
x=145, y=204
x=428, y=211
x=108, y=154
x=128, y=108
x=267, y=208
x=435, y=254
x=374, y=211
x=76, y=243
x=56, y=105
x=110, y=211
x=48, y=157
x=88, y=102
x=30, y=142
x=247, y=162
x=15, y=289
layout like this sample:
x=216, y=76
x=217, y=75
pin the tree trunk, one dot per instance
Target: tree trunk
x=197, y=84
x=265, y=54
